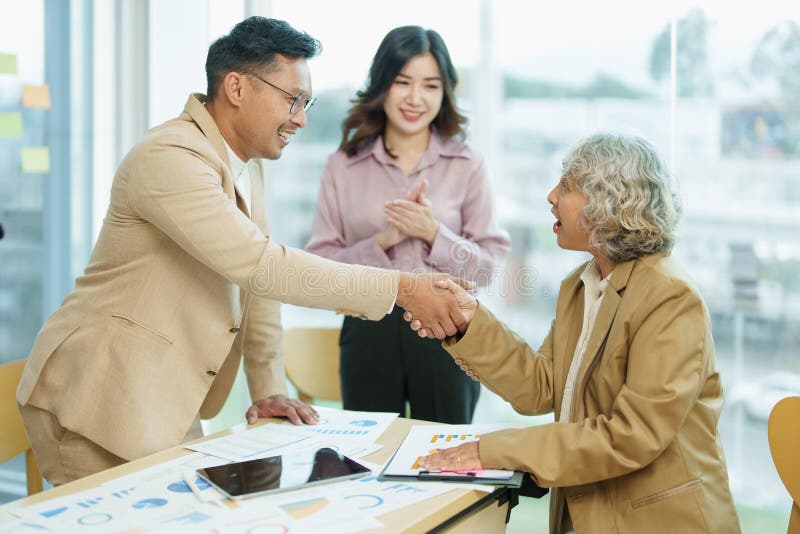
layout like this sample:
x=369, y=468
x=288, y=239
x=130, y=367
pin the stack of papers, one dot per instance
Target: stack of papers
x=170, y=497
x=350, y=433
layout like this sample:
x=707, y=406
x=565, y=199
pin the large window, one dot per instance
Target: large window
x=534, y=80
x=716, y=87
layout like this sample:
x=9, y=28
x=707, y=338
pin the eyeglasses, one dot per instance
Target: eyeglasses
x=299, y=101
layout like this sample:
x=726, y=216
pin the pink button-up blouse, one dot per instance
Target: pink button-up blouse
x=349, y=214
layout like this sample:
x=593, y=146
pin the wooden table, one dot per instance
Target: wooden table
x=449, y=508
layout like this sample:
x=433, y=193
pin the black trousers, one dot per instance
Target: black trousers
x=385, y=363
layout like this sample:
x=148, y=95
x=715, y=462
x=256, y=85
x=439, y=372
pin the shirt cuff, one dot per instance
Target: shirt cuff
x=442, y=249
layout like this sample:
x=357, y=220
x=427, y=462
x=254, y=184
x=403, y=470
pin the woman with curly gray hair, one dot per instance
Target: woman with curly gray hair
x=628, y=367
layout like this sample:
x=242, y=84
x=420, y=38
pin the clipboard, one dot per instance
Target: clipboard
x=422, y=439
x=447, y=476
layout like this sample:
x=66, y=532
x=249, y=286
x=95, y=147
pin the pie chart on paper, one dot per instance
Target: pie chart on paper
x=149, y=503
x=306, y=508
x=363, y=422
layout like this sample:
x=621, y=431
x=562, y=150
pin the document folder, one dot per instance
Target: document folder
x=423, y=440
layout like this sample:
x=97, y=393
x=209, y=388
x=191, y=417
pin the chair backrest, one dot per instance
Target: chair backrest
x=312, y=362
x=14, y=439
x=783, y=430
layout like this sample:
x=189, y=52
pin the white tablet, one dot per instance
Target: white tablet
x=282, y=473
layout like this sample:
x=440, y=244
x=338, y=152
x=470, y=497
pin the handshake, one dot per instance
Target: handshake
x=437, y=305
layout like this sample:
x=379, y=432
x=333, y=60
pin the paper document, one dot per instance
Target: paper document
x=259, y=442
x=423, y=440
x=367, y=426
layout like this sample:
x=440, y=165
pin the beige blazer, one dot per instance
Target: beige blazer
x=153, y=332
x=643, y=453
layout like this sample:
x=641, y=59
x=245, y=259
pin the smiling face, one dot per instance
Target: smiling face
x=264, y=123
x=568, y=202
x=414, y=98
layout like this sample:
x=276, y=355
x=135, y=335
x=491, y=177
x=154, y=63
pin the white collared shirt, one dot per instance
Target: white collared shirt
x=594, y=289
x=241, y=176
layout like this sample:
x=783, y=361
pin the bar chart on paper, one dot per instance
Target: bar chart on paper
x=427, y=439
x=339, y=431
x=447, y=438
x=349, y=423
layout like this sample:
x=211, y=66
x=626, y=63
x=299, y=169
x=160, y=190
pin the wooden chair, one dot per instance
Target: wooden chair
x=14, y=439
x=312, y=362
x=783, y=430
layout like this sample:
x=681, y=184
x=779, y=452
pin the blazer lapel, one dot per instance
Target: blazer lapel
x=240, y=202
x=605, y=318
x=258, y=213
x=195, y=111
x=571, y=295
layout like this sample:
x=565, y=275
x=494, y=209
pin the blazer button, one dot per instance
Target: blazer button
x=234, y=329
x=211, y=372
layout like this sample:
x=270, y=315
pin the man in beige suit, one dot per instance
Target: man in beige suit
x=184, y=279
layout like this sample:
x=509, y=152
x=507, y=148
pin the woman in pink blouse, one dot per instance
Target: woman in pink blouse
x=404, y=192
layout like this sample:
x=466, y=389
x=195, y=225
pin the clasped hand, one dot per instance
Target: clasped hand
x=465, y=305
x=411, y=216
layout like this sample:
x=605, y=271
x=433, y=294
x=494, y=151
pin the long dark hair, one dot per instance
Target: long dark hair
x=366, y=119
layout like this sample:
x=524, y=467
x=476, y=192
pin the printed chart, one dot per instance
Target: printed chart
x=423, y=440
x=348, y=423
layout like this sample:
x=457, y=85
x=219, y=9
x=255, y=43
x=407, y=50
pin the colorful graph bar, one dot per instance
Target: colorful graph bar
x=306, y=508
x=338, y=431
x=451, y=437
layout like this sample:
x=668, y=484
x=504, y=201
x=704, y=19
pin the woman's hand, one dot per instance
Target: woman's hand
x=466, y=305
x=389, y=237
x=393, y=234
x=465, y=457
x=413, y=216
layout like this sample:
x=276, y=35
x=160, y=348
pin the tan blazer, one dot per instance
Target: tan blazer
x=153, y=332
x=643, y=454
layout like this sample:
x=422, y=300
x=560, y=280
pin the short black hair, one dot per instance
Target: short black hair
x=251, y=47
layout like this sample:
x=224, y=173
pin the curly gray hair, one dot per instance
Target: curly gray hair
x=632, y=210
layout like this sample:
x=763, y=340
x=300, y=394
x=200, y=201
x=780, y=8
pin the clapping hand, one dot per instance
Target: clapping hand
x=413, y=216
x=393, y=234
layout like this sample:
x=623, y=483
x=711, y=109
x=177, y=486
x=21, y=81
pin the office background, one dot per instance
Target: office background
x=717, y=88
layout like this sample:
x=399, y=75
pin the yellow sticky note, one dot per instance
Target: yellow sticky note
x=8, y=63
x=36, y=96
x=35, y=159
x=11, y=124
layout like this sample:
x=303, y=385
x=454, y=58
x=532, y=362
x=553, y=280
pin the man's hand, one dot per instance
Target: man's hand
x=435, y=307
x=282, y=406
x=465, y=457
x=466, y=304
